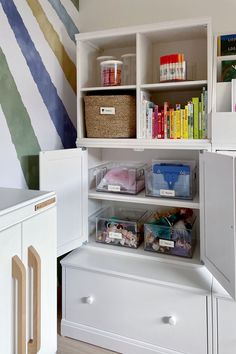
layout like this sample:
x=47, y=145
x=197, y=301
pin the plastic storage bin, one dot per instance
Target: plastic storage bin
x=111, y=72
x=110, y=116
x=120, y=226
x=99, y=61
x=171, y=179
x=172, y=232
x=119, y=177
x=129, y=69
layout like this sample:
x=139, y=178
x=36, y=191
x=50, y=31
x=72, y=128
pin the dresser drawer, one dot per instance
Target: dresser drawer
x=158, y=315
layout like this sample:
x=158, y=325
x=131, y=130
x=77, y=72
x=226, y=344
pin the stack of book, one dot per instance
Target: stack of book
x=179, y=122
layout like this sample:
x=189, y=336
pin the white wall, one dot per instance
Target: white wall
x=102, y=14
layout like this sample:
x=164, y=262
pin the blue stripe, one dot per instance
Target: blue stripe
x=65, y=18
x=55, y=106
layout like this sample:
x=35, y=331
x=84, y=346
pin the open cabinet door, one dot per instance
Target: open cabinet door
x=218, y=239
x=66, y=173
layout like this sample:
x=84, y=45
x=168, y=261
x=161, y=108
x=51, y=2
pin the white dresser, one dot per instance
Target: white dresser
x=27, y=272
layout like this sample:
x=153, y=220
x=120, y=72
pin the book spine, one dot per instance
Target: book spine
x=149, y=133
x=233, y=95
x=159, y=125
x=178, y=122
x=195, y=101
x=186, y=127
x=171, y=123
x=166, y=106
x=190, y=120
x=200, y=120
x=168, y=124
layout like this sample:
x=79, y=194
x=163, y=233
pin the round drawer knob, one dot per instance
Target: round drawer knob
x=89, y=300
x=172, y=320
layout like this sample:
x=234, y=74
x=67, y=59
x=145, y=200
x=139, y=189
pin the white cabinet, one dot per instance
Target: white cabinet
x=28, y=272
x=96, y=277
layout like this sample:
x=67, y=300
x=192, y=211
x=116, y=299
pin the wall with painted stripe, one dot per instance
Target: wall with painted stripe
x=37, y=84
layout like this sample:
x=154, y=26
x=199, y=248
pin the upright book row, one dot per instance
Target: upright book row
x=188, y=121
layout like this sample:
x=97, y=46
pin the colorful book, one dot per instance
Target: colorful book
x=185, y=123
x=195, y=101
x=226, y=45
x=190, y=120
x=228, y=70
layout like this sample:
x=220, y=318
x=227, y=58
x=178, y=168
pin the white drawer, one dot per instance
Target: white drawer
x=137, y=310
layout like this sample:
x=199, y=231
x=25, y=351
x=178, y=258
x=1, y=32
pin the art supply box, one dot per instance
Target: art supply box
x=172, y=232
x=120, y=177
x=120, y=226
x=171, y=179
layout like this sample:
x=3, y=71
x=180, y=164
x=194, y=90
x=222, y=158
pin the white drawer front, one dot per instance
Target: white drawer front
x=161, y=316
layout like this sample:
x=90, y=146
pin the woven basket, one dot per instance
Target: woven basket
x=122, y=124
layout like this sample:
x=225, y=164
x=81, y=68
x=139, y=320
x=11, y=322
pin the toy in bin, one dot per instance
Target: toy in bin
x=171, y=232
x=120, y=177
x=120, y=226
x=171, y=179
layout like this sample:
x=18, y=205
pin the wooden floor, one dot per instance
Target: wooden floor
x=69, y=346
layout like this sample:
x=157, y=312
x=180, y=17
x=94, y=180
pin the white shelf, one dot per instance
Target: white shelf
x=142, y=199
x=173, y=86
x=108, y=88
x=134, y=264
x=142, y=254
x=226, y=57
x=143, y=144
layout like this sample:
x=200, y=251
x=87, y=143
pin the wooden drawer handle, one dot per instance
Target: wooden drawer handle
x=19, y=274
x=34, y=262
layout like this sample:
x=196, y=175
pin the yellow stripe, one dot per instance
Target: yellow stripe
x=53, y=40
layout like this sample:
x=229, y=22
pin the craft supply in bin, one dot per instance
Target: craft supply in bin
x=120, y=177
x=99, y=60
x=129, y=69
x=173, y=179
x=171, y=232
x=120, y=226
x=110, y=116
x=111, y=72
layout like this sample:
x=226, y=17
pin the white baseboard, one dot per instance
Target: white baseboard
x=110, y=340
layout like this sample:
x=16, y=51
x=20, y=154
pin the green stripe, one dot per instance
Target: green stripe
x=53, y=40
x=76, y=3
x=19, y=124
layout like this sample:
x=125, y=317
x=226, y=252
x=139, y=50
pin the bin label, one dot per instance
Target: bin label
x=166, y=243
x=113, y=188
x=167, y=192
x=107, y=110
x=116, y=235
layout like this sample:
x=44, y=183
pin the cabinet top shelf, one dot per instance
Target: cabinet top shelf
x=169, y=86
x=142, y=144
x=180, y=29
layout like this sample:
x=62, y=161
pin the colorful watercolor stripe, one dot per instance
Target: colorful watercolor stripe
x=54, y=105
x=18, y=120
x=65, y=18
x=53, y=40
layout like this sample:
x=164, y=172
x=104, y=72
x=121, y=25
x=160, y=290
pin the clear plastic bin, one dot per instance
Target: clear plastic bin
x=120, y=226
x=172, y=179
x=99, y=61
x=177, y=237
x=129, y=69
x=119, y=177
x=111, y=72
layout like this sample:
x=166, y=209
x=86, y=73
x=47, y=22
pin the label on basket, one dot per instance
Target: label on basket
x=166, y=243
x=107, y=110
x=113, y=188
x=167, y=193
x=116, y=235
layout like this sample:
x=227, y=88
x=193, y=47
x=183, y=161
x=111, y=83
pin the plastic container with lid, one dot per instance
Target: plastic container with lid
x=111, y=72
x=129, y=69
x=99, y=60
